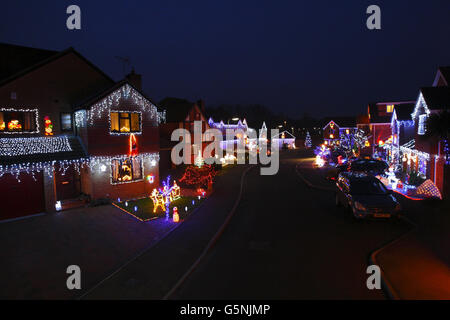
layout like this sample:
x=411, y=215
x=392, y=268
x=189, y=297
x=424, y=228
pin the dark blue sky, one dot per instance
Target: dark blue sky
x=293, y=56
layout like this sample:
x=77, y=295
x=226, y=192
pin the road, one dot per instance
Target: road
x=289, y=241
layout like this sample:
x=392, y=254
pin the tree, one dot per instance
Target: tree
x=308, y=143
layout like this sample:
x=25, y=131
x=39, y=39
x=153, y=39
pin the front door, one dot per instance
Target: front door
x=67, y=184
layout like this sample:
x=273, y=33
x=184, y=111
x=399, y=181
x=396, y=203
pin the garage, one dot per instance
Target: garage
x=22, y=198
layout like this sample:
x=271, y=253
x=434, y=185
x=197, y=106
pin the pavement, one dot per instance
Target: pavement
x=36, y=252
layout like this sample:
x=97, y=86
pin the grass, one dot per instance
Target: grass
x=144, y=206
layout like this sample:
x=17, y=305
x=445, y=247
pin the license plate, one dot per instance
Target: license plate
x=381, y=215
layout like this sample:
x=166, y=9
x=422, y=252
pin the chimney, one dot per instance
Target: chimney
x=135, y=79
x=201, y=105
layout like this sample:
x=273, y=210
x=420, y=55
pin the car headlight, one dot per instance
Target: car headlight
x=359, y=206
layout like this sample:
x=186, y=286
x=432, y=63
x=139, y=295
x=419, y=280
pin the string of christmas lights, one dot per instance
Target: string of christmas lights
x=125, y=92
x=10, y=147
x=94, y=162
x=36, y=119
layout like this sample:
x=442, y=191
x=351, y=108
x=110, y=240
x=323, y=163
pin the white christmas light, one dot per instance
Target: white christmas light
x=36, y=119
x=22, y=146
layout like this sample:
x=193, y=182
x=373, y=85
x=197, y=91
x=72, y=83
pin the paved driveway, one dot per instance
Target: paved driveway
x=35, y=252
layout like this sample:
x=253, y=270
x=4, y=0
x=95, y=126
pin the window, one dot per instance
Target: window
x=66, y=121
x=422, y=121
x=12, y=121
x=390, y=108
x=126, y=170
x=125, y=122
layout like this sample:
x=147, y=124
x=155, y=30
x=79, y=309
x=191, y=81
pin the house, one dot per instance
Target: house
x=377, y=125
x=180, y=113
x=427, y=155
x=69, y=133
x=283, y=139
x=242, y=132
x=336, y=128
x=402, y=131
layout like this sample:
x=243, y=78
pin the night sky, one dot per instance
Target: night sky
x=293, y=56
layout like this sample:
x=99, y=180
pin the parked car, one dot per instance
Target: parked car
x=369, y=166
x=365, y=196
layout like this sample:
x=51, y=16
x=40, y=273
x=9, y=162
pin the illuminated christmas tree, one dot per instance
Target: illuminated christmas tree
x=308, y=143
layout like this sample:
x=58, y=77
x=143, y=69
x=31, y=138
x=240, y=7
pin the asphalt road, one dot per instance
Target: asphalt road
x=288, y=241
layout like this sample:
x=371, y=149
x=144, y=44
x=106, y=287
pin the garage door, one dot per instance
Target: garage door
x=22, y=198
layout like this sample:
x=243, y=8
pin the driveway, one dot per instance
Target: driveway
x=36, y=252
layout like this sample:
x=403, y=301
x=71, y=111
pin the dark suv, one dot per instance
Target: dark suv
x=365, y=196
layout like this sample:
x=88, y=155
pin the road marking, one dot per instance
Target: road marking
x=213, y=240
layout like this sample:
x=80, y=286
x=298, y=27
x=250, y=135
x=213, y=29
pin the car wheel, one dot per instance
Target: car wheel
x=338, y=202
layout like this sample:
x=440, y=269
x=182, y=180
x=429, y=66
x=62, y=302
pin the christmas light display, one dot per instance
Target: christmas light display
x=14, y=125
x=199, y=159
x=428, y=189
x=132, y=145
x=198, y=177
x=48, y=126
x=62, y=165
x=163, y=197
x=150, y=178
x=176, y=217
x=10, y=147
x=158, y=200
x=308, y=143
x=125, y=92
x=36, y=120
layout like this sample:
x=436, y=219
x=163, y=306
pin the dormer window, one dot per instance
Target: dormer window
x=422, y=124
x=123, y=122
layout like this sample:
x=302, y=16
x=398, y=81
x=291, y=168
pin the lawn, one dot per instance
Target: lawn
x=144, y=208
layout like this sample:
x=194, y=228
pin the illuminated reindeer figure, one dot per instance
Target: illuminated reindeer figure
x=163, y=197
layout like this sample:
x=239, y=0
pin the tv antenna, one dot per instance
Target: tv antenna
x=125, y=62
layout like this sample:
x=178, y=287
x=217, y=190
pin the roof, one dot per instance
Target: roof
x=403, y=111
x=341, y=122
x=74, y=151
x=16, y=61
x=14, y=58
x=444, y=73
x=378, y=114
x=176, y=109
x=278, y=136
x=89, y=101
x=436, y=98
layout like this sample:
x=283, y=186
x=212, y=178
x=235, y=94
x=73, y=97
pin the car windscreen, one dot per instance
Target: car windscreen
x=367, y=187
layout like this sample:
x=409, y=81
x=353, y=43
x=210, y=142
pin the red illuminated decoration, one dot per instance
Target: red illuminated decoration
x=14, y=125
x=133, y=149
x=48, y=126
x=199, y=177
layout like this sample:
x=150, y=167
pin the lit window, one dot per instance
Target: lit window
x=126, y=170
x=17, y=121
x=66, y=122
x=390, y=108
x=125, y=122
x=422, y=120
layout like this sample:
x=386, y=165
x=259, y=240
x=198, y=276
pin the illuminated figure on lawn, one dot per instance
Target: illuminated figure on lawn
x=163, y=197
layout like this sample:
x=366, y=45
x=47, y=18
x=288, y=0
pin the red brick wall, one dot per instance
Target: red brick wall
x=53, y=88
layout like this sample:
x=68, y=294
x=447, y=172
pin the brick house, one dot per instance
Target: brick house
x=180, y=113
x=66, y=130
x=427, y=154
x=335, y=128
x=377, y=125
